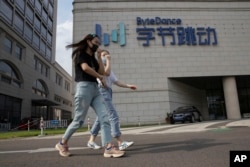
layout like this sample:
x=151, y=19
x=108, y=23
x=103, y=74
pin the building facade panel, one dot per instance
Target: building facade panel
x=185, y=61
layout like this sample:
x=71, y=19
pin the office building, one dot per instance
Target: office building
x=32, y=83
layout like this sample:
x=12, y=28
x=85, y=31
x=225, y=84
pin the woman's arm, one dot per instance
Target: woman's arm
x=123, y=85
x=99, y=60
x=107, y=67
x=86, y=68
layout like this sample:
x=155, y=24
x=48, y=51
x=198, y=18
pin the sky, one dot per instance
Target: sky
x=64, y=34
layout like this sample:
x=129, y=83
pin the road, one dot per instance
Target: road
x=206, y=144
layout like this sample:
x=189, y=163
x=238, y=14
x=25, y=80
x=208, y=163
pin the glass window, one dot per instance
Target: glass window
x=29, y=13
x=67, y=86
x=7, y=11
x=45, y=3
x=38, y=6
x=59, y=79
x=46, y=72
x=44, y=31
x=5, y=69
x=36, y=40
x=50, y=10
x=43, y=70
x=43, y=47
x=39, y=88
x=18, y=23
x=9, y=75
x=32, y=2
x=34, y=63
x=48, y=53
x=37, y=23
x=50, y=24
x=6, y=79
x=28, y=32
x=20, y=5
x=19, y=52
x=8, y=45
x=41, y=67
x=49, y=38
x=45, y=15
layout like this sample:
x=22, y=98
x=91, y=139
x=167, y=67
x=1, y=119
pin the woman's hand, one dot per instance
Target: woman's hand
x=104, y=84
x=108, y=57
x=99, y=51
x=133, y=87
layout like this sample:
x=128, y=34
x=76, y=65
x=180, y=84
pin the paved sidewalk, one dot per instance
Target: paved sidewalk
x=169, y=128
x=242, y=122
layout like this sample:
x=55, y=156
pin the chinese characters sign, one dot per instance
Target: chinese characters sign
x=171, y=32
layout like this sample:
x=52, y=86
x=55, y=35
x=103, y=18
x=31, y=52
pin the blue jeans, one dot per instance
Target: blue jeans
x=87, y=94
x=113, y=116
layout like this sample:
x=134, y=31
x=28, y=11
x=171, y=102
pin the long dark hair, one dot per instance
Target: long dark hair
x=81, y=45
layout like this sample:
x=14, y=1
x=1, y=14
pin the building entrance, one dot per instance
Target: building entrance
x=216, y=105
x=215, y=95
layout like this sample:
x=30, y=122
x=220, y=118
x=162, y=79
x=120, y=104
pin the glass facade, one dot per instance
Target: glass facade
x=28, y=16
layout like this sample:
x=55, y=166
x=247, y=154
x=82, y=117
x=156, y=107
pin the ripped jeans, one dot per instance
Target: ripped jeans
x=87, y=94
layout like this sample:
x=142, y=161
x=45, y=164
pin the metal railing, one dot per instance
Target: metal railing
x=4, y=126
x=55, y=124
x=36, y=124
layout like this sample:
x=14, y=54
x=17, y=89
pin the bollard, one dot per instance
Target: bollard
x=28, y=125
x=41, y=126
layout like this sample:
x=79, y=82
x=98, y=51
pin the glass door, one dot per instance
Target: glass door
x=216, y=105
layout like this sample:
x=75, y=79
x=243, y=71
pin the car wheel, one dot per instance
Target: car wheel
x=192, y=119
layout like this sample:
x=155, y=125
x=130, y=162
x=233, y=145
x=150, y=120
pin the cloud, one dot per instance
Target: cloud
x=63, y=38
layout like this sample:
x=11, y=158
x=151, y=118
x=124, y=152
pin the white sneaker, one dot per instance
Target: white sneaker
x=93, y=146
x=125, y=145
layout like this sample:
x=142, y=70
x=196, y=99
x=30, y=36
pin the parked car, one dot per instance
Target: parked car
x=33, y=123
x=186, y=113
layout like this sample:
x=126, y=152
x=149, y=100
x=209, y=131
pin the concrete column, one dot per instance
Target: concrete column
x=231, y=98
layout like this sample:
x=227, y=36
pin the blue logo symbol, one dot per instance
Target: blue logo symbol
x=116, y=35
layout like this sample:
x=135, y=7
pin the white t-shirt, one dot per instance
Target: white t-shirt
x=110, y=79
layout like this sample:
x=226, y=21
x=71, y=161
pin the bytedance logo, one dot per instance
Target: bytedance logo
x=117, y=35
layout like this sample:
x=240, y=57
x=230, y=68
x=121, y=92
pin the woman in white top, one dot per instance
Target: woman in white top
x=106, y=92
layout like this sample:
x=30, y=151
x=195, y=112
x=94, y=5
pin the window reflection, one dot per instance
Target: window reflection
x=39, y=88
x=9, y=75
